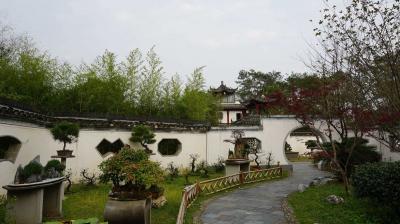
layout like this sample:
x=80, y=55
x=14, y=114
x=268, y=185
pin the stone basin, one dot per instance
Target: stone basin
x=36, y=200
x=235, y=166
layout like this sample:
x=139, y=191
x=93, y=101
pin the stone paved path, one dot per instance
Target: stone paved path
x=260, y=204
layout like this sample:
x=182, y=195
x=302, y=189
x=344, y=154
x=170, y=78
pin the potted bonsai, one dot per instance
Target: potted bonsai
x=143, y=135
x=238, y=160
x=133, y=177
x=289, y=153
x=65, y=132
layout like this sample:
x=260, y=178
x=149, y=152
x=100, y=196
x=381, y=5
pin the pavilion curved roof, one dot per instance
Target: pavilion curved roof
x=223, y=89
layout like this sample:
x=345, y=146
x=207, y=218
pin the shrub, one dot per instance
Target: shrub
x=32, y=168
x=89, y=179
x=193, y=159
x=219, y=166
x=156, y=191
x=132, y=173
x=3, y=209
x=172, y=170
x=185, y=172
x=288, y=148
x=380, y=182
x=362, y=153
x=202, y=168
x=54, y=164
x=320, y=155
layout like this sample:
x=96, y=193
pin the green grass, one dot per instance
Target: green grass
x=85, y=202
x=311, y=207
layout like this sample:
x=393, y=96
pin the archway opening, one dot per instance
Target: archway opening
x=9, y=148
x=301, y=142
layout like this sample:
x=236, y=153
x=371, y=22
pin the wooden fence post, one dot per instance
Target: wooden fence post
x=241, y=177
x=198, y=187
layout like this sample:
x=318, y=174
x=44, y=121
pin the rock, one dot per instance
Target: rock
x=302, y=187
x=320, y=164
x=17, y=178
x=159, y=202
x=333, y=199
x=326, y=181
x=34, y=178
x=314, y=183
x=52, y=173
x=36, y=159
x=321, y=181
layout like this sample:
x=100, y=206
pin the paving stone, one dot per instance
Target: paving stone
x=260, y=204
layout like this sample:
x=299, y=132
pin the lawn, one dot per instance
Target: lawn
x=85, y=202
x=311, y=207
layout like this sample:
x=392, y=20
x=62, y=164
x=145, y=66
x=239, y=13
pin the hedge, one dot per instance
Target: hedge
x=379, y=181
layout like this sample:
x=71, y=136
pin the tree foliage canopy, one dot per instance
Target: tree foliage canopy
x=133, y=86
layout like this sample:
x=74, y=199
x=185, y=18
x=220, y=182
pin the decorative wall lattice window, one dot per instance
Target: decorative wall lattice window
x=169, y=147
x=252, y=144
x=9, y=148
x=106, y=146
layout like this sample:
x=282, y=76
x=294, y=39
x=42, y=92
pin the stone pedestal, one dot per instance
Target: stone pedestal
x=34, y=201
x=235, y=166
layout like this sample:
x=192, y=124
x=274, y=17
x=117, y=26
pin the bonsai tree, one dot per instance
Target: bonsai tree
x=288, y=147
x=311, y=144
x=193, y=159
x=131, y=173
x=240, y=152
x=143, y=135
x=253, y=146
x=65, y=132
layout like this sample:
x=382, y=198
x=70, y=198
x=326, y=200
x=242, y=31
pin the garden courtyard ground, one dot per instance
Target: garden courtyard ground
x=259, y=204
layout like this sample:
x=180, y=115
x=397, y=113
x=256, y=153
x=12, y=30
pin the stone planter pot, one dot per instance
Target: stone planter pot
x=127, y=211
x=235, y=166
x=64, y=153
x=292, y=155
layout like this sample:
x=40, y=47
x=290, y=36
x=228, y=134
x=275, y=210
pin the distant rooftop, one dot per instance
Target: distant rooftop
x=223, y=89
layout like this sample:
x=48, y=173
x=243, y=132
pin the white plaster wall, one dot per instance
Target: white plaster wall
x=387, y=154
x=276, y=129
x=38, y=141
x=210, y=146
x=232, y=116
x=272, y=134
x=298, y=143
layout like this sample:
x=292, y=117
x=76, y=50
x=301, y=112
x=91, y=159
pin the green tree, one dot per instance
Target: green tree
x=65, y=132
x=255, y=84
x=150, y=83
x=133, y=68
x=143, y=135
x=196, y=80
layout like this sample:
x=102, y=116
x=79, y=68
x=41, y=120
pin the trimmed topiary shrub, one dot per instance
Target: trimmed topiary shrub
x=363, y=153
x=380, y=182
x=54, y=164
x=32, y=168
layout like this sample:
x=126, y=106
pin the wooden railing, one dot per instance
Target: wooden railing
x=190, y=193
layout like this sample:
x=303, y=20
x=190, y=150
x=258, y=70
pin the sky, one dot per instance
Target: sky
x=226, y=36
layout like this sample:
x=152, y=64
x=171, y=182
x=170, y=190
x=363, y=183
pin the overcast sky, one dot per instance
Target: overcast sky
x=223, y=35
